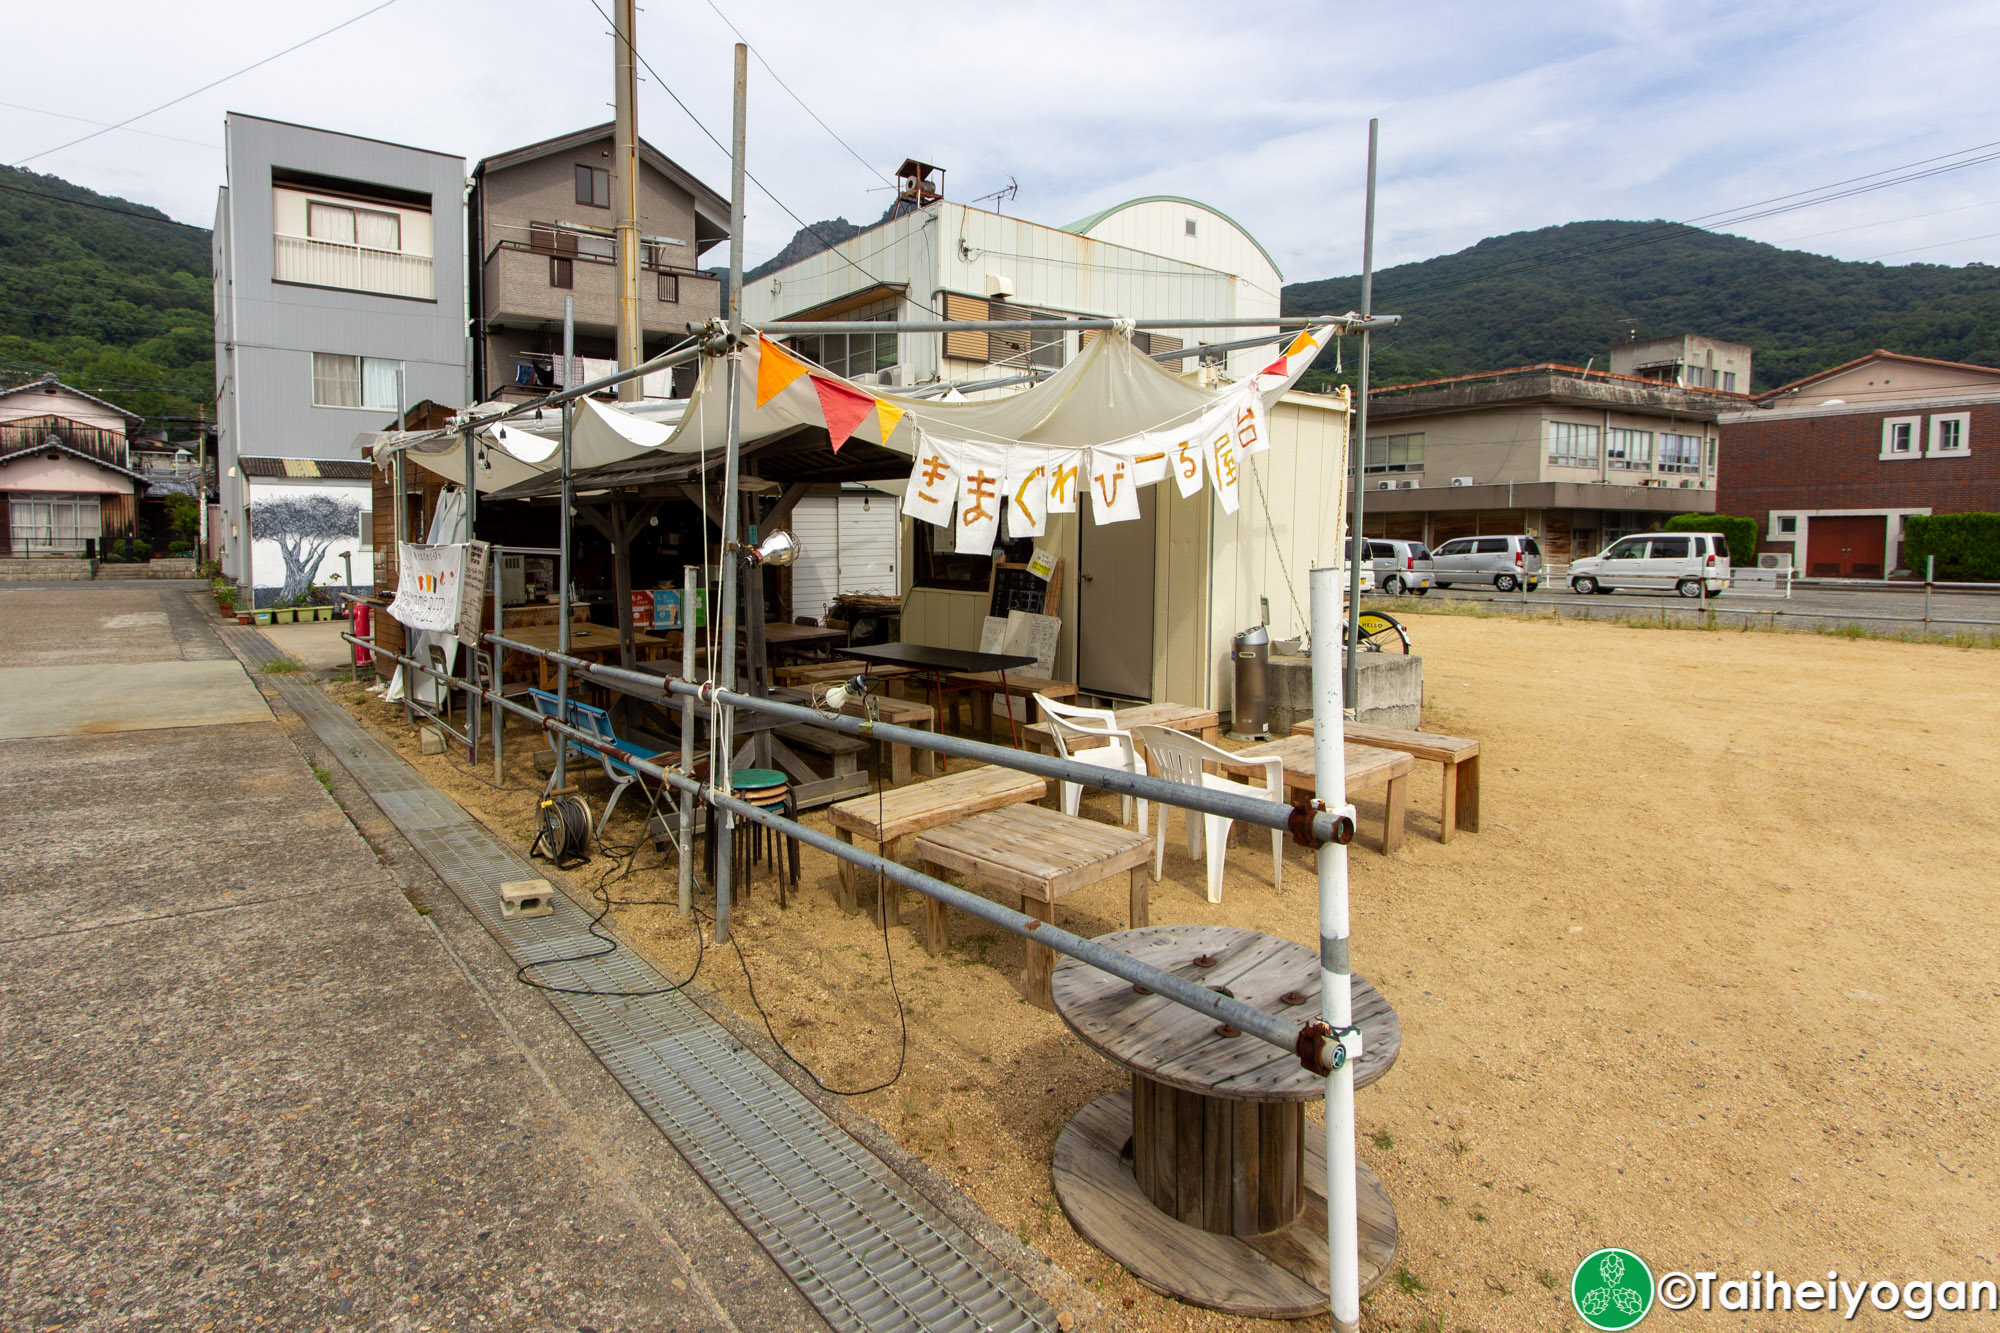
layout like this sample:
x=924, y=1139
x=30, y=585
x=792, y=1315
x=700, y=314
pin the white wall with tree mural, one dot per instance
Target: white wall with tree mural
x=301, y=529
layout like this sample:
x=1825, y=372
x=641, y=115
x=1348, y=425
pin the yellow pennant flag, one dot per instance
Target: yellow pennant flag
x=775, y=369
x=889, y=416
x=1300, y=343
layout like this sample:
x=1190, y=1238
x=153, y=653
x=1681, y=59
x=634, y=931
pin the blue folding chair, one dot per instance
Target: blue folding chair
x=597, y=723
x=550, y=707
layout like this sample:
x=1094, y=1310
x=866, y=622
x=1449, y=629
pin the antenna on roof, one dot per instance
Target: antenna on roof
x=1011, y=190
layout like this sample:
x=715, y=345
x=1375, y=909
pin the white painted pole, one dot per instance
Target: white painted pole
x=691, y=580
x=723, y=719
x=1335, y=983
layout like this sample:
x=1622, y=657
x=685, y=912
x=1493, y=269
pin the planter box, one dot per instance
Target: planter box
x=318, y=612
x=284, y=615
x=264, y=617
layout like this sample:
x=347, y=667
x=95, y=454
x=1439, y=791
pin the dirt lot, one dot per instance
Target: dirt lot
x=1715, y=983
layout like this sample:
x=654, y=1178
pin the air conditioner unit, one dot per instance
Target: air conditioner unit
x=1774, y=560
x=1385, y=485
x=1409, y=485
x=1461, y=481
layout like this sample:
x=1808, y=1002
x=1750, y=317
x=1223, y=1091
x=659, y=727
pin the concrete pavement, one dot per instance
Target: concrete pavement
x=245, y=1081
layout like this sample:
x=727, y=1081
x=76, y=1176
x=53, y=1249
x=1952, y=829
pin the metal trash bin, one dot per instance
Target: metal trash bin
x=1250, y=711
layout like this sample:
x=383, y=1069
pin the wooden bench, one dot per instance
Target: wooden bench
x=842, y=754
x=1044, y=856
x=1458, y=754
x=893, y=818
x=1365, y=767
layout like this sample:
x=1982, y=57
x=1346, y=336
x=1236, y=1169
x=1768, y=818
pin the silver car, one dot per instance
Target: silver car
x=1401, y=567
x=1504, y=562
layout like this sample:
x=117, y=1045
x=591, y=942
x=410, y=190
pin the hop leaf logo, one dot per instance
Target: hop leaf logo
x=1612, y=1289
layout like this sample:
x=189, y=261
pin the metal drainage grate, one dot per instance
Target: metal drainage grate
x=865, y=1250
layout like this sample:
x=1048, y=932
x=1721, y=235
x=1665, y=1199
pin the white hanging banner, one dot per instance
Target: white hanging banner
x=1185, y=458
x=1065, y=479
x=1027, y=494
x=979, y=507
x=429, y=580
x=1114, y=495
x=1149, y=467
x=1253, y=435
x=1222, y=463
x=933, y=486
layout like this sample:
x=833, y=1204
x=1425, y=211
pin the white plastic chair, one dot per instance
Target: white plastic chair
x=1067, y=721
x=1179, y=757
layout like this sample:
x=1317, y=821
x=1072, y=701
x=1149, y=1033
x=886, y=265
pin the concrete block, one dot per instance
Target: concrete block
x=526, y=897
x=430, y=740
x=1389, y=691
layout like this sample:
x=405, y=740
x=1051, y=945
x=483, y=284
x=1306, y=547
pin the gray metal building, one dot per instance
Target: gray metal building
x=340, y=296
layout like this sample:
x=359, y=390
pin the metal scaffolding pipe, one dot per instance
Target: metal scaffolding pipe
x=1246, y=1018
x=1248, y=809
x=1349, y=321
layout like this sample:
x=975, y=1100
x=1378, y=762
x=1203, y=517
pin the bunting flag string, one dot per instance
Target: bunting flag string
x=844, y=408
x=776, y=368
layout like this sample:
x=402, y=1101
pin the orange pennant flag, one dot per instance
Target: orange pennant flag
x=1300, y=343
x=843, y=408
x=888, y=416
x=775, y=369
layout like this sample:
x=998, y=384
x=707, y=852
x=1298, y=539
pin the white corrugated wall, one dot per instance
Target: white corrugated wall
x=849, y=545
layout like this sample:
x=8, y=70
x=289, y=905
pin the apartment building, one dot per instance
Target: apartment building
x=1831, y=465
x=340, y=296
x=542, y=230
x=1574, y=458
x=1689, y=360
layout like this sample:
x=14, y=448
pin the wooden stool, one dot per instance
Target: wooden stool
x=1044, y=856
x=767, y=789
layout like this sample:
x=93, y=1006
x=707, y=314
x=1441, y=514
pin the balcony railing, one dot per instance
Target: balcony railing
x=356, y=268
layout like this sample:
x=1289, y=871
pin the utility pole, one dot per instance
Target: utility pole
x=625, y=193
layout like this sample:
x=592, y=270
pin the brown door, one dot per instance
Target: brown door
x=1114, y=603
x=1849, y=547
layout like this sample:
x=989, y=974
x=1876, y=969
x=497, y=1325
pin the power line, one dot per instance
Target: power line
x=206, y=86
x=102, y=208
x=1963, y=240
x=748, y=174
x=59, y=115
x=1886, y=222
x=796, y=98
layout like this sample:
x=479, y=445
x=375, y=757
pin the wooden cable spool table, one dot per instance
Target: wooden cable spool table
x=1202, y=1180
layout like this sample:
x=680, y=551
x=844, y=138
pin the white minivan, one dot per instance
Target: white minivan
x=1694, y=564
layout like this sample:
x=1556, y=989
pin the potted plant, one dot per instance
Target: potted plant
x=225, y=600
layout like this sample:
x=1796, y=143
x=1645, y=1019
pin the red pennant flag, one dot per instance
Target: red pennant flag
x=843, y=408
x=1278, y=368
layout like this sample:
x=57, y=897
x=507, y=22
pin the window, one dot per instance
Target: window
x=1949, y=434
x=1190, y=226
x=851, y=354
x=1629, y=449
x=1631, y=548
x=939, y=567
x=1899, y=436
x=1696, y=377
x=355, y=381
x=366, y=227
x=1572, y=444
x=1395, y=453
x=53, y=523
x=593, y=186
x=562, y=272
x=1670, y=548
x=1729, y=381
x=1680, y=453
x=1789, y=524
x=1491, y=546
x=670, y=288
x=1024, y=347
x=1461, y=546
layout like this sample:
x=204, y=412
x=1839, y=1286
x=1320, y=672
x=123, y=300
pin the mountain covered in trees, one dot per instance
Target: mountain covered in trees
x=112, y=296
x=1568, y=293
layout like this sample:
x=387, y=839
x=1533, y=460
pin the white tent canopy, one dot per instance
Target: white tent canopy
x=1111, y=398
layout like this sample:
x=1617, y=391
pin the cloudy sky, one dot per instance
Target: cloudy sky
x=1496, y=117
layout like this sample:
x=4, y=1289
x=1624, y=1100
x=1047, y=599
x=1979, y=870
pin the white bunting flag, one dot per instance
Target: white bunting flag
x=1114, y=495
x=1253, y=435
x=1149, y=467
x=979, y=492
x=1185, y=457
x=933, y=486
x=1027, y=494
x=1222, y=464
x=1065, y=479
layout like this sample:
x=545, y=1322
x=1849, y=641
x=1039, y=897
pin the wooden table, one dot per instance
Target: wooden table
x=1044, y=856
x=1220, y=1198
x=1174, y=717
x=781, y=636
x=936, y=665
x=1459, y=756
x=1365, y=767
x=895, y=817
x=596, y=643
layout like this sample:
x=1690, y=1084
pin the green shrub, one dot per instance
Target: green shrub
x=179, y=550
x=1967, y=546
x=1741, y=533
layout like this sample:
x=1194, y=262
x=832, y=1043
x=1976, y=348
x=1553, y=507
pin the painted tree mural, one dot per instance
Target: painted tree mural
x=303, y=526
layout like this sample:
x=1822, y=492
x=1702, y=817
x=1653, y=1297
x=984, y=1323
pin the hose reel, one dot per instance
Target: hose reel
x=563, y=829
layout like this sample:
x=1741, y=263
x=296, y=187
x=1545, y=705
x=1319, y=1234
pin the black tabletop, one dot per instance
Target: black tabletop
x=926, y=658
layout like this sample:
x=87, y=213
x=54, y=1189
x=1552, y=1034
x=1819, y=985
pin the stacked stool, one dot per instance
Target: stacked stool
x=767, y=789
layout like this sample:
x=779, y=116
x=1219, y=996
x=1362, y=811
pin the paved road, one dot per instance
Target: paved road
x=1811, y=606
x=244, y=1082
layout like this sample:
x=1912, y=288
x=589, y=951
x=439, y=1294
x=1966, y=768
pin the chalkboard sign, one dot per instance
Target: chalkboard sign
x=1015, y=588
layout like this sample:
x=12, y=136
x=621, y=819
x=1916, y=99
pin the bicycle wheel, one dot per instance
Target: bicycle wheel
x=1382, y=633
